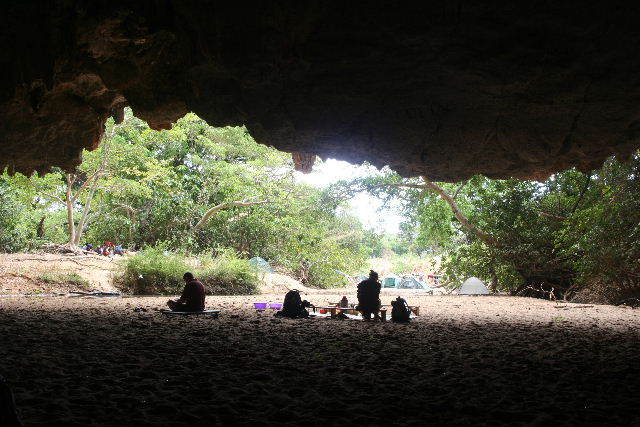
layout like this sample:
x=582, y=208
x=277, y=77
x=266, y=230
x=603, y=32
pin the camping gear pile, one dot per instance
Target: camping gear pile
x=400, y=311
x=294, y=307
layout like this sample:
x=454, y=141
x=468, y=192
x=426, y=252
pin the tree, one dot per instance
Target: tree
x=199, y=189
x=553, y=239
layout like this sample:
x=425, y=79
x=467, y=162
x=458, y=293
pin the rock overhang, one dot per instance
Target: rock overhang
x=441, y=89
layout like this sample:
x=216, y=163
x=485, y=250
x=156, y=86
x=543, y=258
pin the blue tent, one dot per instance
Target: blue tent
x=391, y=281
x=410, y=282
x=261, y=264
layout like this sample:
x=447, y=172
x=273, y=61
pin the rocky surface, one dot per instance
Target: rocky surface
x=445, y=88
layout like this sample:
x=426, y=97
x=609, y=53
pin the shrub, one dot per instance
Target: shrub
x=64, y=278
x=325, y=276
x=156, y=271
x=229, y=275
x=153, y=271
x=14, y=235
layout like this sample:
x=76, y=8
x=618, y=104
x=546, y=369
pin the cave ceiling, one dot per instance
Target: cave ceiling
x=444, y=89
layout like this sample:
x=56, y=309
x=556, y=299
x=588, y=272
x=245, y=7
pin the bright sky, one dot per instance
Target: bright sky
x=365, y=207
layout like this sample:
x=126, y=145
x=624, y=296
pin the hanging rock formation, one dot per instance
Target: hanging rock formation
x=444, y=89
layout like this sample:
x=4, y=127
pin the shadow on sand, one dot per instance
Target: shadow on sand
x=91, y=363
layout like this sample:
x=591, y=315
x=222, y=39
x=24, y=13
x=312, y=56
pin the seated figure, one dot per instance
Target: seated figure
x=192, y=298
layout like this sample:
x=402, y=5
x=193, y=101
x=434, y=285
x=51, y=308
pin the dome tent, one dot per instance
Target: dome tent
x=473, y=286
x=410, y=282
x=391, y=281
x=261, y=265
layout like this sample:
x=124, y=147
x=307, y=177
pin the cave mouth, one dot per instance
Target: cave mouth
x=442, y=90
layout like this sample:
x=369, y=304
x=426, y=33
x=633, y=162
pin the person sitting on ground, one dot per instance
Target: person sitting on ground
x=118, y=250
x=192, y=298
x=369, y=297
x=344, y=302
x=294, y=307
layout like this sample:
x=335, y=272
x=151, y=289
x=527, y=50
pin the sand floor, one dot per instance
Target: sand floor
x=465, y=361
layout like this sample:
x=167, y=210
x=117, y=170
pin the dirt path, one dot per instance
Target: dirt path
x=485, y=360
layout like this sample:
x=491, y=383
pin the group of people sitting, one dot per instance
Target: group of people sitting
x=107, y=249
x=193, y=296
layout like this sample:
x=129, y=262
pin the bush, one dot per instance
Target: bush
x=324, y=276
x=64, y=278
x=14, y=235
x=153, y=271
x=156, y=271
x=229, y=275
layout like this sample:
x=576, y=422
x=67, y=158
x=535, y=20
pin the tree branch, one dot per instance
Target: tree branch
x=556, y=217
x=60, y=199
x=455, y=195
x=84, y=185
x=486, y=238
x=224, y=205
x=489, y=240
x=582, y=193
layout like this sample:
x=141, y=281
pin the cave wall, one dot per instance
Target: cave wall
x=445, y=89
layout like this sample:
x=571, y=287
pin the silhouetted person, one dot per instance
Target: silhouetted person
x=192, y=298
x=369, y=296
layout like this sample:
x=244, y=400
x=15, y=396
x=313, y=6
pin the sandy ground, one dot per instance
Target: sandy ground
x=466, y=361
x=21, y=273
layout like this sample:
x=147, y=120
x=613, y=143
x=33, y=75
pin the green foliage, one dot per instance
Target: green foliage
x=65, y=278
x=406, y=263
x=156, y=186
x=157, y=271
x=602, y=238
x=15, y=224
x=153, y=271
x=572, y=232
x=226, y=274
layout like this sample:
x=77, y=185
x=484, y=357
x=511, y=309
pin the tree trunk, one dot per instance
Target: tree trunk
x=40, y=229
x=69, y=202
x=85, y=213
x=494, y=280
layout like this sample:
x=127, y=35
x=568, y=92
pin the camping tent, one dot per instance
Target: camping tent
x=391, y=281
x=410, y=282
x=473, y=286
x=261, y=264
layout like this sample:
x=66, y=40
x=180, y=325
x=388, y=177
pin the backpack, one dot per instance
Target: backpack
x=400, y=311
x=293, y=306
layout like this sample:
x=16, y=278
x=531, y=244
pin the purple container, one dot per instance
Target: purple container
x=275, y=305
x=260, y=305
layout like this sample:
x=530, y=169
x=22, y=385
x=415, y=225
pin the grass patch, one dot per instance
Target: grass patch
x=152, y=272
x=157, y=272
x=64, y=278
x=229, y=275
